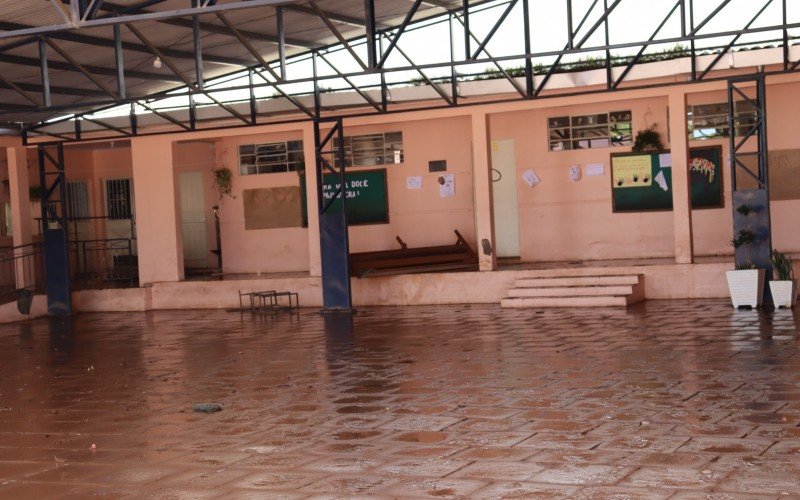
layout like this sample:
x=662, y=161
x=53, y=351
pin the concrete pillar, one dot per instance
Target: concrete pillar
x=312, y=205
x=482, y=181
x=681, y=190
x=21, y=217
x=158, y=227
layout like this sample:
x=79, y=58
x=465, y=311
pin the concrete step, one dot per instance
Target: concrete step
x=584, y=291
x=577, y=281
x=543, y=302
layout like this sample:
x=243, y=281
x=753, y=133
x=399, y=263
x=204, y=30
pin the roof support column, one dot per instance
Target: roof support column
x=21, y=217
x=482, y=182
x=312, y=201
x=681, y=192
x=158, y=227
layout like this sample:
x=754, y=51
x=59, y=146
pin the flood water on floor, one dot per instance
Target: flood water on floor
x=669, y=399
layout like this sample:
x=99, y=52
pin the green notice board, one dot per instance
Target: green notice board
x=705, y=176
x=638, y=181
x=367, y=196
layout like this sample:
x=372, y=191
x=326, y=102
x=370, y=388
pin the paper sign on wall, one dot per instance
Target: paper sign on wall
x=665, y=160
x=575, y=173
x=414, y=182
x=530, y=178
x=447, y=185
x=595, y=169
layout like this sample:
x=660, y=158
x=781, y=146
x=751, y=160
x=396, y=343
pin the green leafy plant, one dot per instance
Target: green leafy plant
x=647, y=141
x=35, y=193
x=743, y=239
x=744, y=209
x=782, y=265
x=223, y=182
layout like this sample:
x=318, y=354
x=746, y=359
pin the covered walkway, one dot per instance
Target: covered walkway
x=669, y=399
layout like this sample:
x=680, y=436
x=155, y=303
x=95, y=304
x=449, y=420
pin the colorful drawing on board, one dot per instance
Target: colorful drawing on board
x=705, y=176
x=632, y=171
x=705, y=167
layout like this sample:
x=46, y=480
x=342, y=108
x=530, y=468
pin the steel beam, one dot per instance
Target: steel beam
x=44, y=73
x=399, y=32
x=333, y=29
x=372, y=40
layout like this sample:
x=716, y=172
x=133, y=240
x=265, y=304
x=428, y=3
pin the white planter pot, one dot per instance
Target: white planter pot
x=746, y=287
x=784, y=293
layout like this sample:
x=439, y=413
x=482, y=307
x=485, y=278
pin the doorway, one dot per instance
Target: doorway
x=193, y=220
x=504, y=194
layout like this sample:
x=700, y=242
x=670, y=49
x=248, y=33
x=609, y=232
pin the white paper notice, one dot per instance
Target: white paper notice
x=662, y=181
x=595, y=169
x=447, y=185
x=665, y=160
x=414, y=182
x=575, y=173
x=530, y=178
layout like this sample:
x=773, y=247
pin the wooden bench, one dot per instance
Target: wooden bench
x=456, y=257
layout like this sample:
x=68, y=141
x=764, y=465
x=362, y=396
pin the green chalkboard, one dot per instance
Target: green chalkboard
x=635, y=176
x=367, y=196
x=637, y=180
x=705, y=175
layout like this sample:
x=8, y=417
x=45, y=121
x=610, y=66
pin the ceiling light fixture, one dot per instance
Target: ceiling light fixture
x=157, y=63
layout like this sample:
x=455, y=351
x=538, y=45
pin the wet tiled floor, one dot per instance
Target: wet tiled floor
x=668, y=400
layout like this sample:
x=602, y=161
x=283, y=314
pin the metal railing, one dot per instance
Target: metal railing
x=21, y=268
x=104, y=262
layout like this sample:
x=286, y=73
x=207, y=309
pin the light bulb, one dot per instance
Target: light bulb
x=157, y=63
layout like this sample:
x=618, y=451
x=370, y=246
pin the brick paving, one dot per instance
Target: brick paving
x=667, y=400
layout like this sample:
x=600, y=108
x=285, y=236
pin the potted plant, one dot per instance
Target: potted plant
x=784, y=288
x=746, y=282
x=223, y=182
x=647, y=141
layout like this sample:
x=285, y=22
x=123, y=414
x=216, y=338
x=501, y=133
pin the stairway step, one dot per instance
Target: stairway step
x=586, y=291
x=542, y=302
x=577, y=281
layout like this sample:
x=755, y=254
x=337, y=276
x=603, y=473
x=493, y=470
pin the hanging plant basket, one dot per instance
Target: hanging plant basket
x=223, y=182
x=647, y=141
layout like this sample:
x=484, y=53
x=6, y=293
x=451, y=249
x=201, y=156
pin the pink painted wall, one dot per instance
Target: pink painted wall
x=263, y=250
x=712, y=228
x=199, y=157
x=420, y=217
x=564, y=220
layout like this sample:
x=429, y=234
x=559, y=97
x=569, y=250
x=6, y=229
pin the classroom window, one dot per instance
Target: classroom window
x=710, y=121
x=372, y=149
x=270, y=158
x=118, y=199
x=601, y=130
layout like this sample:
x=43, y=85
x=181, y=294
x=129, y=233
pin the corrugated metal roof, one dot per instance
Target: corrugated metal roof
x=223, y=54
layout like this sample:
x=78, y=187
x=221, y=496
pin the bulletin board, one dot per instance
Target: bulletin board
x=367, y=196
x=705, y=177
x=784, y=181
x=271, y=208
x=637, y=180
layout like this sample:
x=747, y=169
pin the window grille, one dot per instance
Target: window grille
x=118, y=199
x=600, y=130
x=710, y=121
x=271, y=157
x=372, y=149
